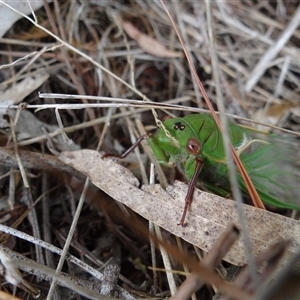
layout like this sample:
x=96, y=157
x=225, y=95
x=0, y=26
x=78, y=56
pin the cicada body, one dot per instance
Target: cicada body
x=267, y=162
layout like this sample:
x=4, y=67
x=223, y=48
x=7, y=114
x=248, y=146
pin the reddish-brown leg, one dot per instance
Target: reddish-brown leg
x=138, y=141
x=189, y=195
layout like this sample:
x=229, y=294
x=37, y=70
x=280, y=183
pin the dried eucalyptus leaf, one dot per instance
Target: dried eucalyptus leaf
x=104, y=171
x=207, y=217
x=20, y=90
x=9, y=17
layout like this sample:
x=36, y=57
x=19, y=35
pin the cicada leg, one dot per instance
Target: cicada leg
x=138, y=141
x=191, y=189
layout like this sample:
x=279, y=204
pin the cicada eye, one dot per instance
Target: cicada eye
x=166, y=118
x=193, y=146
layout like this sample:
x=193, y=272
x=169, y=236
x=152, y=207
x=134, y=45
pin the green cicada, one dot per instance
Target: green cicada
x=195, y=143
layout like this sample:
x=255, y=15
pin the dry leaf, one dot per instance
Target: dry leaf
x=23, y=88
x=18, y=92
x=9, y=17
x=29, y=126
x=207, y=217
x=147, y=43
x=12, y=275
x=273, y=114
x=6, y=296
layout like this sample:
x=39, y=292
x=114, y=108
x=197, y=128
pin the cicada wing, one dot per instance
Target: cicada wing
x=272, y=167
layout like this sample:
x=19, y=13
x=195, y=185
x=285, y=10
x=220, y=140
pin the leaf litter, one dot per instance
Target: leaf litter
x=100, y=62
